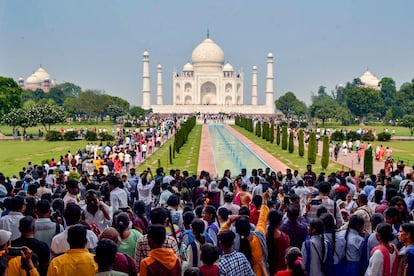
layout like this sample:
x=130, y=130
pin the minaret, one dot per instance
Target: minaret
x=146, y=91
x=159, y=84
x=269, y=80
x=254, y=86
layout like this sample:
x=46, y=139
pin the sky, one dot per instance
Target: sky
x=98, y=44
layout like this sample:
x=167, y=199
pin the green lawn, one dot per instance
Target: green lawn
x=399, y=130
x=292, y=160
x=187, y=159
x=15, y=154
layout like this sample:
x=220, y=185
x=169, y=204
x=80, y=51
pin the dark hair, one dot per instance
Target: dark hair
x=324, y=187
x=257, y=201
x=32, y=189
x=71, y=184
x=16, y=203
x=192, y=271
x=121, y=223
x=244, y=211
x=384, y=230
x=329, y=222
x=58, y=204
x=139, y=210
x=209, y=253
x=376, y=219
x=77, y=236
x=321, y=210
x=404, y=214
x=409, y=228
x=243, y=229
x=72, y=213
x=197, y=227
x=105, y=252
x=275, y=219
x=211, y=210
x=294, y=261
x=173, y=200
x=356, y=223
x=226, y=238
x=319, y=228
x=293, y=212
x=158, y=216
x=157, y=234
x=198, y=210
x=26, y=224
x=224, y=213
x=43, y=206
x=188, y=217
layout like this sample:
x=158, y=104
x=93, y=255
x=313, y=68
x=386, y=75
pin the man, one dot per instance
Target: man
x=168, y=178
x=133, y=182
x=105, y=258
x=96, y=211
x=117, y=196
x=189, y=179
x=323, y=199
x=45, y=229
x=409, y=196
x=27, y=229
x=72, y=215
x=309, y=174
x=161, y=261
x=296, y=231
x=165, y=194
x=11, y=221
x=77, y=260
x=72, y=188
x=365, y=212
x=232, y=263
x=229, y=205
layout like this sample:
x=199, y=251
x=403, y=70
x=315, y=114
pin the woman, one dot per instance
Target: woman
x=330, y=234
x=194, y=248
x=117, y=164
x=140, y=221
x=129, y=237
x=277, y=243
x=384, y=257
x=210, y=216
x=350, y=263
x=400, y=204
x=252, y=243
x=317, y=251
x=293, y=261
x=406, y=236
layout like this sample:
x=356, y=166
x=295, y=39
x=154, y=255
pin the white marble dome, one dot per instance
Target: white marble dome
x=368, y=79
x=207, y=52
x=33, y=78
x=188, y=67
x=228, y=68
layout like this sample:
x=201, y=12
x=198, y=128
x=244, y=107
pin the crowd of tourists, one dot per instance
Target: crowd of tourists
x=253, y=223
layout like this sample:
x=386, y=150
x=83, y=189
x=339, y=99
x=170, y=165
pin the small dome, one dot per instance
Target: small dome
x=20, y=79
x=41, y=74
x=208, y=52
x=159, y=66
x=270, y=55
x=188, y=67
x=368, y=79
x=254, y=67
x=228, y=67
x=33, y=79
x=146, y=53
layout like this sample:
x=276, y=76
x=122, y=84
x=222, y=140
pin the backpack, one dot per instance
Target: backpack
x=327, y=265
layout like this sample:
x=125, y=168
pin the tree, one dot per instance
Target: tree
x=363, y=101
x=368, y=161
x=258, y=129
x=408, y=121
x=301, y=150
x=325, y=153
x=63, y=91
x=291, y=145
x=312, y=148
x=278, y=135
x=323, y=107
x=388, y=91
x=272, y=133
x=405, y=96
x=121, y=103
x=49, y=114
x=284, y=138
x=114, y=111
x=137, y=111
x=22, y=117
x=10, y=95
x=289, y=105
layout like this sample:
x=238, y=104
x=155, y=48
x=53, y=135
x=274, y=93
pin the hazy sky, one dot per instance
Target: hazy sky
x=98, y=44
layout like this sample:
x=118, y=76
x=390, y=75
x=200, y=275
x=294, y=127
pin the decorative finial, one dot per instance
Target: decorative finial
x=208, y=33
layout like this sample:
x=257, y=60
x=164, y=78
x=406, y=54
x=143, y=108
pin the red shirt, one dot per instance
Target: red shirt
x=210, y=270
x=283, y=273
x=254, y=216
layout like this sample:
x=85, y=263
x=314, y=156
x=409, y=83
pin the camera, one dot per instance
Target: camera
x=316, y=202
x=14, y=251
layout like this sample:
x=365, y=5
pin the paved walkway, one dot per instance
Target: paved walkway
x=206, y=158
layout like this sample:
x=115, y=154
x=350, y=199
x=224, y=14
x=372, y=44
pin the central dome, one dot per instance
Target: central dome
x=207, y=52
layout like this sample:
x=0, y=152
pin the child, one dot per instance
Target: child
x=209, y=255
x=293, y=260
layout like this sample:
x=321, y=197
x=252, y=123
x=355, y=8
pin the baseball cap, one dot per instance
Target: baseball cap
x=4, y=236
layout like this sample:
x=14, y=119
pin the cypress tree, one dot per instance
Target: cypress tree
x=284, y=138
x=301, y=143
x=291, y=146
x=368, y=161
x=264, y=131
x=272, y=133
x=312, y=148
x=171, y=153
x=278, y=135
x=325, y=153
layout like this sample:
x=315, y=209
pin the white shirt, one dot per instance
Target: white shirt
x=10, y=223
x=60, y=242
x=144, y=191
x=118, y=198
x=168, y=179
x=164, y=197
x=99, y=218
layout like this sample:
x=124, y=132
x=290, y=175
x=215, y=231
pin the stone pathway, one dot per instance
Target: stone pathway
x=205, y=156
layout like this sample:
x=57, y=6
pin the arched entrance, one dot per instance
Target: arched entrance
x=208, y=93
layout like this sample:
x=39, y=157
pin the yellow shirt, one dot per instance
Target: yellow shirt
x=73, y=262
x=14, y=267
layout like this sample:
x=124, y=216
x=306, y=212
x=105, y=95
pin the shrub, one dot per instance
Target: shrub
x=54, y=135
x=301, y=143
x=337, y=136
x=368, y=136
x=303, y=125
x=272, y=133
x=91, y=136
x=291, y=146
x=325, y=153
x=312, y=148
x=383, y=136
x=127, y=124
x=105, y=136
x=368, y=162
x=278, y=135
x=284, y=138
x=70, y=135
x=283, y=123
x=353, y=135
x=293, y=124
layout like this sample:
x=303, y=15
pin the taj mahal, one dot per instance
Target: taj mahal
x=207, y=85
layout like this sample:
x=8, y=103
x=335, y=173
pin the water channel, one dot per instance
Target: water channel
x=231, y=153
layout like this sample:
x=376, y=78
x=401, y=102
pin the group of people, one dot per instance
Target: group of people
x=257, y=223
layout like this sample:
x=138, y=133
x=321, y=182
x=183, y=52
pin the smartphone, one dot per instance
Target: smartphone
x=14, y=251
x=124, y=209
x=316, y=202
